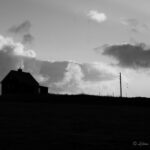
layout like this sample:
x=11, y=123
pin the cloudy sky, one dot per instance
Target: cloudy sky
x=78, y=46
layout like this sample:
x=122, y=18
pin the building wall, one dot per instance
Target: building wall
x=14, y=88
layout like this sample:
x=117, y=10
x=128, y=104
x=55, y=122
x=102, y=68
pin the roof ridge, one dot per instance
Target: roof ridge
x=22, y=77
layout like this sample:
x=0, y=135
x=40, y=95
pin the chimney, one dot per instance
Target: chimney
x=20, y=70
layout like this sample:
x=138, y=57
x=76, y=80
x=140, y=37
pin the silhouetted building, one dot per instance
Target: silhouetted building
x=19, y=82
x=43, y=89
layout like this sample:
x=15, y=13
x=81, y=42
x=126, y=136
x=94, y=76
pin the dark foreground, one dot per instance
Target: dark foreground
x=74, y=123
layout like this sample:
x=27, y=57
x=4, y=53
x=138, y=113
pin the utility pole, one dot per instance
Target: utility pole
x=120, y=85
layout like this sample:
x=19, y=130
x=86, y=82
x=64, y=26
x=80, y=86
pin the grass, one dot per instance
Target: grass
x=73, y=122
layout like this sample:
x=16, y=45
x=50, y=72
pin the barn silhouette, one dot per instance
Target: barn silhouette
x=19, y=82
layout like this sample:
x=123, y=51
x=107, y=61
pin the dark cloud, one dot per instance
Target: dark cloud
x=130, y=56
x=27, y=39
x=54, y=70
x=22, y=28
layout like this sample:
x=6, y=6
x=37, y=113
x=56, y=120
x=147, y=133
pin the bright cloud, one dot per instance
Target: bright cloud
x=7, y=44
x=97, y=16
x=86, y=78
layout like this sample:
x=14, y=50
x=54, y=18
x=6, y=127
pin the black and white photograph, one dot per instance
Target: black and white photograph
x=75, y=74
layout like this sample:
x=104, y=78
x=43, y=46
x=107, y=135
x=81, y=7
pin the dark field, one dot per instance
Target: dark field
x=74, y=123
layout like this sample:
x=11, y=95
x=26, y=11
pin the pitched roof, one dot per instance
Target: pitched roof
x=21, y=77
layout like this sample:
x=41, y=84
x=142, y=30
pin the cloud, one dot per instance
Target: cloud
x=12, y=54
x=98, y=71
x=60, y=76
x=7, y=45
x=129, y=56
x=71, y=81
x=23, y=30
x=97, y=16
x=84, y=78
x=70, y=77
x=27, y=39
x=54, y=70
x=134, y=25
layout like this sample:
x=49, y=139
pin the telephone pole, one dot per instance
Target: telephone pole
x=120, y=85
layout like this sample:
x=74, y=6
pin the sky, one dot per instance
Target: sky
x=78, y=46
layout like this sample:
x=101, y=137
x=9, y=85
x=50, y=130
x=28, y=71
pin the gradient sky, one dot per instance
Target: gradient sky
x=80, y=32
